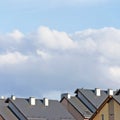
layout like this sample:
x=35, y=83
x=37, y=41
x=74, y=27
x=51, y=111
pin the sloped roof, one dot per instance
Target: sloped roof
x=117, y=98
x=96, y=101
x=55, y=110
x=80, y=107
x=5, y=112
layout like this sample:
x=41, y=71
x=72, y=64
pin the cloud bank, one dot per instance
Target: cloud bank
x=50, y=61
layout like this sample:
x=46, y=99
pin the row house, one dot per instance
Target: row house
x=32, y=109
x=88, y=104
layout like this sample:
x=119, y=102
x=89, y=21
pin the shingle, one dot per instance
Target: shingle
x=117, y=98
x=95, y=100
x=55, y=110
x=80, y=107
x=6, y=112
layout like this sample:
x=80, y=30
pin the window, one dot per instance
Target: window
x=102, y=117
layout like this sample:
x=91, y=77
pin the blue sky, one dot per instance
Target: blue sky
x=62, y=15
x=54, y=46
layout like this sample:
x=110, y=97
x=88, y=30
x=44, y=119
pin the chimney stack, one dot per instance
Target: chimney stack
x=46, y=102
x=2, y=97
x=97, y=92
x=13, y=97
x=32, y=101
x=110, y=92
x=66, y=95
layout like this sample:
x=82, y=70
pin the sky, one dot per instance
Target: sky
x=54, y=46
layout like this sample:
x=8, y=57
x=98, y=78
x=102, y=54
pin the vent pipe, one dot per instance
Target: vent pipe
x=46, y=102
x=32, y=101
x=97, y=92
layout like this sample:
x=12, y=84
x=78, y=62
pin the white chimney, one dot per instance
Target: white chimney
x=32, y=101
x=2, y=97
x=46, y=102
x=13, y=97
x=97, y=92
x=66, y=95
x=110, y=92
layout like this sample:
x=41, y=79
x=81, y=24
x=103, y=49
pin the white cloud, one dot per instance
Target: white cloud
x=115, y=72
x=12, y=58
x=54, y=39
x=16, y=35
x=43, y=54
x=105, y=41
x=48, y=60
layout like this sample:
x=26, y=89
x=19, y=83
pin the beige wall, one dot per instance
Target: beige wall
x=72, y=110
x=103, y=111
x=116, y=111
x=111, y=111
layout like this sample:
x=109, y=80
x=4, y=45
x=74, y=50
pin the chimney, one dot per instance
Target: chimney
x=46, y=102
x=66, y=95
x=32, y=101
x=13, y=97
x=110, y=92
x=97, y=92
x=2, y=97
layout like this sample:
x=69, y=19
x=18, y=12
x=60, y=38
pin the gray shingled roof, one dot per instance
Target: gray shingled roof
x=55, y=110
x=6, y=112
x=80, y=107
x=95, y=100
x=117, y=98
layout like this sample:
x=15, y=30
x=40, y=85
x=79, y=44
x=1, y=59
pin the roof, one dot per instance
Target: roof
x=80, y=107
x=96, y=101
x=55, y=110
x=5, y=112
x=117, y=98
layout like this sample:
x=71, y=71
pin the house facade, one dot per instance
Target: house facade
x=86, y=104
x=38, y=109
x=89, y=104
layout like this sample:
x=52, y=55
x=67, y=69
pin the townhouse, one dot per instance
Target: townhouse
x=32, y=109
x=88, y=104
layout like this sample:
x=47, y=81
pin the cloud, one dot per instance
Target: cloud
x=43, y=54
x=12, y=58
x=115, y=72
x=54, y=39
x=16, y=35
x=47, y=60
